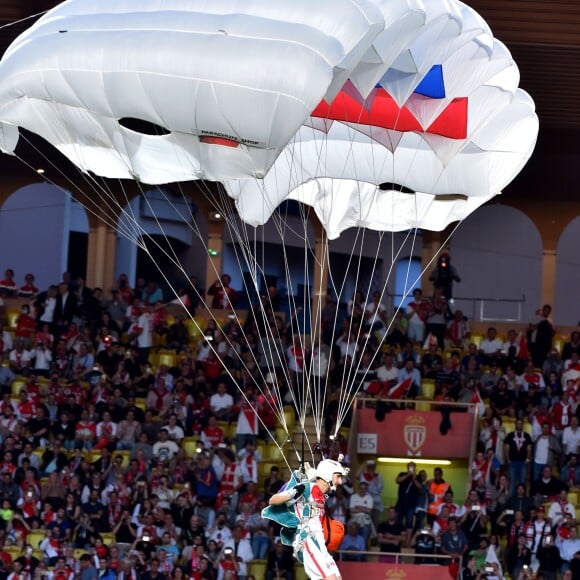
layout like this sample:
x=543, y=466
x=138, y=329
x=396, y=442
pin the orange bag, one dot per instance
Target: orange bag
x=333, y=533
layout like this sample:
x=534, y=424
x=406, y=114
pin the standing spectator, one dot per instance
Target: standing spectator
x=8, y=285
x=361, y=507
x=438, y=316
x=541, y=331
x=569, y=549
x=409, y=488
x=518, y=454
x=28, y=290
x=571, y=437
x=437, y=488
x=547, y=449
x=417, y=312
x=65, y=309
x=223, y=296
x=536, y=533
x=454, y=542
x=376, y=486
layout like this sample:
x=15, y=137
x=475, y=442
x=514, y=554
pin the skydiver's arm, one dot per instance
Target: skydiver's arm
x=287, y=495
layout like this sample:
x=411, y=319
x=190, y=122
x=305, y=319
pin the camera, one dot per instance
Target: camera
x=509, y=512
x=228, y=551
x=476, y=508
x=146, y=538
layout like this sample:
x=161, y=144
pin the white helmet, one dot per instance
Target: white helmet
x=327, y=468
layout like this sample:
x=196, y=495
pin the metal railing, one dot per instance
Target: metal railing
x=482, y=309
x=373, y=556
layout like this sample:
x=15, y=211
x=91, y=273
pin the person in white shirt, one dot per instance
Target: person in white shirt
x=491, y=346
x=569, y=547
x=571, y=437
x=361, y=507
x=221, y=403
x=388, y=371
x=242, y=550
x=559, y=508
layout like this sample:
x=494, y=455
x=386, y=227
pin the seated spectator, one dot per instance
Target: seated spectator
x=28, y=289
x=280, y=565
x=353, y=541
x=390, y=536
x=570, y=473
x=425, y=542
x=164, y=450
x=222, y=403
x=454, y=542
x=546, y=488
x=491, y=347
x=569, y=548
x=432, y=362
x=177, y=335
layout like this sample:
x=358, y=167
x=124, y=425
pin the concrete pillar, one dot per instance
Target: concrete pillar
x=320, y=281
x=549, y=267
x=101, y=256
x=214, y=263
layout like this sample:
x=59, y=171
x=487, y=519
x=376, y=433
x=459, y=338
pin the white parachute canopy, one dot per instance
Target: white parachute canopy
x=242, y=73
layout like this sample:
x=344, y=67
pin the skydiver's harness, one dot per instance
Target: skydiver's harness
x=310, y=511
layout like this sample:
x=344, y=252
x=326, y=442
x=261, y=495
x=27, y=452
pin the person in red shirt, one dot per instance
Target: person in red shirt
x=212, y=435
x=25, y=325
x=8, y=286
x=28, y=290
x=224, y=297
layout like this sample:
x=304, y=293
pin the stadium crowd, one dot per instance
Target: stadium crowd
x=128, y=452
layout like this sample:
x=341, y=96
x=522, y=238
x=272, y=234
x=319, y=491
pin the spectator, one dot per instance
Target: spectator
x=409, y=488
x=280, y=565
x=353, y=541
x=361, y=507
x=223, y=296
x=454, y=542
x=518, y=454
x=390, y=536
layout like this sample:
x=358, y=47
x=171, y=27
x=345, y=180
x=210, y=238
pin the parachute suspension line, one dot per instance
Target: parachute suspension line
x=15, y=22
x=408, y=290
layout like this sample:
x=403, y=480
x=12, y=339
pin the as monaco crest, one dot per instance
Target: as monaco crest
x=415, y=434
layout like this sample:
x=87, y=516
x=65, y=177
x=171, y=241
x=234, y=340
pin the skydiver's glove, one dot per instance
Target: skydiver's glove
x=296, y=492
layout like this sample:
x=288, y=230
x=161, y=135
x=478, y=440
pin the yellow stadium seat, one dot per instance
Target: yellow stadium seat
x=17, y=384
x=167, y=358
x=428, y=389
x=299, y=572
x=141, y=403
x=125, y=454
x=274, y=453
x=11, y=318
x=108, y=538
x=190, y=445
x=290, y=418
x=476, y=339
x=257, y=568
x=14, y=551
x=35, y=537
x=420, y=405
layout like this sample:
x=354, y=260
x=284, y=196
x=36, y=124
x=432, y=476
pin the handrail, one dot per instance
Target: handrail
x=471, y=303
x=408, y=402
x=396, y=555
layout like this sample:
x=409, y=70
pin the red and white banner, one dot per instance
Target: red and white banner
x=407, y=433
x=382, y=571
